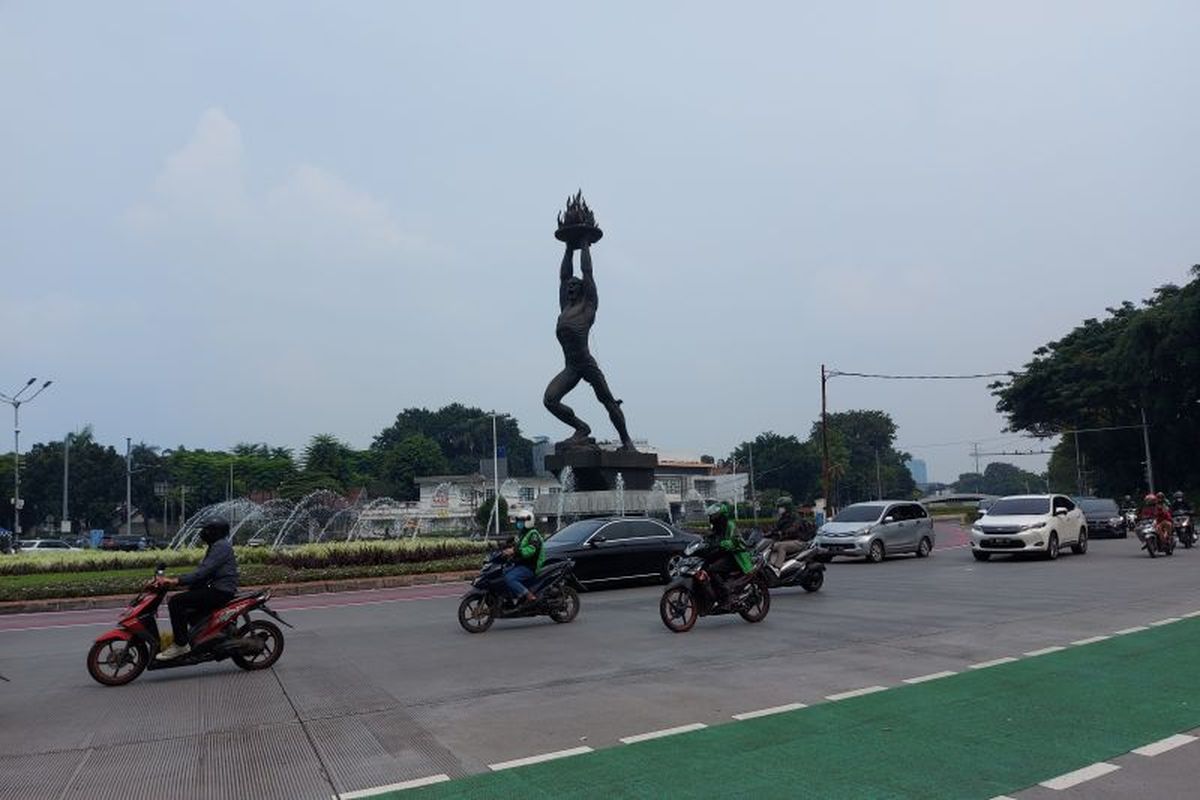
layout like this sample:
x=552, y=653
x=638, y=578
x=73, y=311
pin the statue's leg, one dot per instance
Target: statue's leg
x=564, y=382
x=595, y=376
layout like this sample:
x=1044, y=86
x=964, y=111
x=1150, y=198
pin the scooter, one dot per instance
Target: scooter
x=691, y=594
x=1152, y=543
x=122, y=654
x=488, y=599
x=804, y=569
x=1185, y=528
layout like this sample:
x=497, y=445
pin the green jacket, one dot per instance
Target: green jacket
x=731, y=540
x=529, y=550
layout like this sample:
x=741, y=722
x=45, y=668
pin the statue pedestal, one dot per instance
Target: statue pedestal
x=596, y=470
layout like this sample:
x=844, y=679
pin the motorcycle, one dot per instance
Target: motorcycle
x=805, y=569
x=488, y=599
x=1185, y=528
x=691, y=594
x=1130, y=517
x=122, y=654
x=1152, y=543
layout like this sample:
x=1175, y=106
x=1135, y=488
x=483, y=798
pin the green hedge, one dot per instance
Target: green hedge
x=309, y=556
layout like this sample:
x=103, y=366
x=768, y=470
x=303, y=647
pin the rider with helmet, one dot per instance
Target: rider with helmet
x=1154, y=507
x=527, y=555
x=732, y=555
x=1180, y=504
x=209, y=587
x=787, y=533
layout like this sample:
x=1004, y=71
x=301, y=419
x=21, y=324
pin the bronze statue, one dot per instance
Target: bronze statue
x=577, y=301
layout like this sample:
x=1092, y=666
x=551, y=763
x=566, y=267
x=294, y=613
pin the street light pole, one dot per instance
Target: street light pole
x=1146, y=443
x=64, y=525
x=128, y=487
x=16, y=402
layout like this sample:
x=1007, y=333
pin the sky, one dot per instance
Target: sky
x=229, y=222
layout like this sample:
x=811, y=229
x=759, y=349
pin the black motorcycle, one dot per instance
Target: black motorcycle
x=488, y=599
x=1185, y=527
x=805, y=569
x=691, y=594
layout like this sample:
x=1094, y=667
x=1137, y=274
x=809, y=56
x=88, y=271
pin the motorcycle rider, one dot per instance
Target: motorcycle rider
x=211, y=585
x=787, y=533
x=1180, y=505
x=732, y=555
x=1154, y=507
x=527, y=555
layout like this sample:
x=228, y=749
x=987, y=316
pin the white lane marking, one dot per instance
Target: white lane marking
x=1003, y=797
x=933, y=676
x=521, y=762
x=993, y=663
x=1090, y=640
x=1045, y=651
x=1134, y=629
x=766, y=712
x=855, y=693
x=111, y=624
x=1192, y=614
x=393, y=787
x=1079, y=776
x=1163, y=745
x=1166, y=621
x=642, y=737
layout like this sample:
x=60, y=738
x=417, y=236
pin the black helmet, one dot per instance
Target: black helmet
x=214, y=531
x=1179, y=495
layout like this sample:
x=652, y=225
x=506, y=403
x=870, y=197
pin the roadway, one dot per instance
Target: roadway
x=379, y=688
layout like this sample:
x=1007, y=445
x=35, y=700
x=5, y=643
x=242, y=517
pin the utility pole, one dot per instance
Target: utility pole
x=1078, y=466
x=496, y=477
x=825, y=444
x=1146, y=444
x=64, y=525
x=753, y=494
x=878, y=477
x=128, y=487
x=978, y=473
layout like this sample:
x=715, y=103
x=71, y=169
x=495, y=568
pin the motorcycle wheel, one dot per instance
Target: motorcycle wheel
x=475, y=613
x=569, y=608
x=759, y=603
x=117, y=662
x=814, y=581
x=678, y=609
x=272, y=641
x=1152, y=545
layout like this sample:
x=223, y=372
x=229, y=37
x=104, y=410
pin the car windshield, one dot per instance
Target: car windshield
x=575, y=533
x=865, y=512
x=1020, y=507
x=1092, y=505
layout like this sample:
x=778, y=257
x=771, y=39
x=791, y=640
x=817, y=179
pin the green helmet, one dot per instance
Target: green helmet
x=718, y=510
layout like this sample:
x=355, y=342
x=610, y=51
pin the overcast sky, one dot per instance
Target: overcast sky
x=229, y=222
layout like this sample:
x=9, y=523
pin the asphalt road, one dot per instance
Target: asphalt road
x=380, y=688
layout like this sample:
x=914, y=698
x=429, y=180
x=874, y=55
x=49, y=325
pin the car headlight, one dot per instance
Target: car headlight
x=1033, y=526
x=1115, y=521
x=977, y=529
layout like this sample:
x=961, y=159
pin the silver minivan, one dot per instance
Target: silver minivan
x=879, y=529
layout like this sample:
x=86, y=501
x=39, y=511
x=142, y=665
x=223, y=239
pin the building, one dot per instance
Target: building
x=918, y=470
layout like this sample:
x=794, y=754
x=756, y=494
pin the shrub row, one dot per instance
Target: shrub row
x=309, y=556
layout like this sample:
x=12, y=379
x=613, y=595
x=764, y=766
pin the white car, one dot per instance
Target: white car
x=1030, y=523
x=45, y=545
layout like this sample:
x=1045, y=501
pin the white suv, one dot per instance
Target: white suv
x=1037, y=523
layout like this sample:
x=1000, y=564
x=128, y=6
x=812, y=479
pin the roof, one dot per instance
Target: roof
x=470, y=477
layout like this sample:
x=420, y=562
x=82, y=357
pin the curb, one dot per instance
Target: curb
x=279, y=590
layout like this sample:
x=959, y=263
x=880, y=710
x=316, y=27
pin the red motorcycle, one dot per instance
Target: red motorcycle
x=126, y=651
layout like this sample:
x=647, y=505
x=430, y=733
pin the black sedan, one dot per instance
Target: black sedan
x=1103, y=517
x=607, y=550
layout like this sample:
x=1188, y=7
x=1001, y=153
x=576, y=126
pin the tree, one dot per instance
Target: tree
x=1102, y=374
x=398, y=467
x=483, y=514
x=862, y=442
x=781, y=462
x=1000, y=478
x=97, y=483
x=464, y=435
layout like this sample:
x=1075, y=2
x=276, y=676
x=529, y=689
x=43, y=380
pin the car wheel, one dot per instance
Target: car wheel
x=875, y=553
x=1081, y=544
x=668, y=567
x=1052, y=547
x=924, y=548
x=981, y=556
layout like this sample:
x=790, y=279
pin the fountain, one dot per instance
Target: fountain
x=620, y=489
x=658, y=501
x=566, y=485
x=310, y=508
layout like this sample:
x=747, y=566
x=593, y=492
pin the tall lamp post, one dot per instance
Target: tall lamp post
x=16, y=401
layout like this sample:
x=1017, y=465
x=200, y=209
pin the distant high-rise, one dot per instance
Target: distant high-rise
x=542, y=447
x=920, y=473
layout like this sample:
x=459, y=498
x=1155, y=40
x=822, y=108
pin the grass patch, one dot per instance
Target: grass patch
x=41, y=586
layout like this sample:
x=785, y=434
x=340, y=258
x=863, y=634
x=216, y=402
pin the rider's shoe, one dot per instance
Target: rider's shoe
x=173, y=652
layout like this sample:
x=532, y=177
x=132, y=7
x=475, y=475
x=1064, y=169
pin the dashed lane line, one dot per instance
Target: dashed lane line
x=393, y=787
x=933, y=676
x=1045, y=651
x=1097, y=770
x=766, y=712
x=1090, y=640
x=522, y=762
x=855, y=693
x=995, y=662
x=644, y=737
x=1163, y=745
x=1134, y=629
x=1166, y=621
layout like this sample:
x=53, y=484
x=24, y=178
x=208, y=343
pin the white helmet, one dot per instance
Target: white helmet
x=523, y=518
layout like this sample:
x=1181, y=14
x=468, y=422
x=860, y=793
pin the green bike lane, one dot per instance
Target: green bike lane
x=976, y=734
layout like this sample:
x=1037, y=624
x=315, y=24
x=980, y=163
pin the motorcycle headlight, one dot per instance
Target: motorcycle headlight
x=692, y=548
